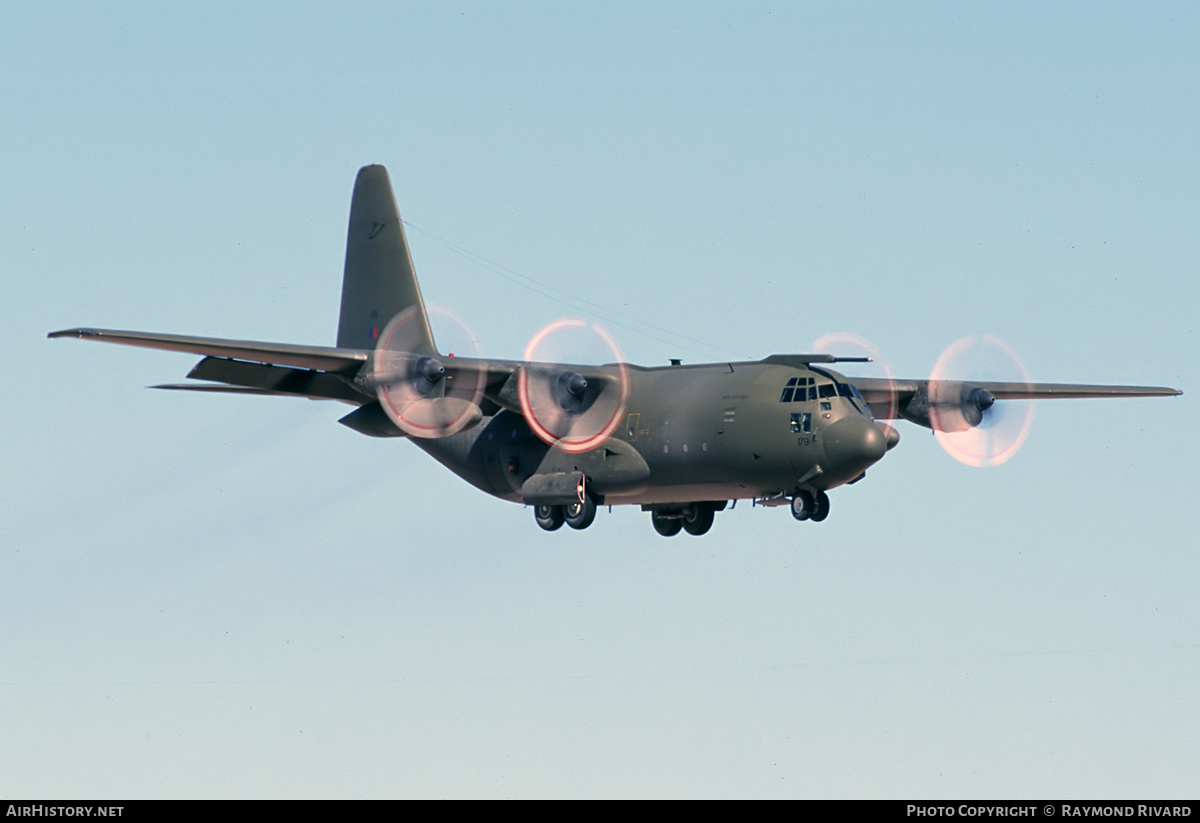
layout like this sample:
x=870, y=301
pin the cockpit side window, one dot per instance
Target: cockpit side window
x=851, y=394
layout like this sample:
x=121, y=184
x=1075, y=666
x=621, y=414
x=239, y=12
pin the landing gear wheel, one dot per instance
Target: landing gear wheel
x=803, y=505
x=580, y=515
x=697, y=518
x=548, y=517
x=822, y=510
x=667, y=527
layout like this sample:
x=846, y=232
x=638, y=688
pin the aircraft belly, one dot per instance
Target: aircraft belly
x=687, y=493
x=500, y=455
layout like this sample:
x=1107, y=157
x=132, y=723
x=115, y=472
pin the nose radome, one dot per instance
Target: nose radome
x=854, y=443
x=890, y=435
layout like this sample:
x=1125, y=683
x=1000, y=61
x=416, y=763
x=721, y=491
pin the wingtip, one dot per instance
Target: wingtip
x=81, y=333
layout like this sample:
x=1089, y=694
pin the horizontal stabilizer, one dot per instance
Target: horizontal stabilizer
x=372, y=421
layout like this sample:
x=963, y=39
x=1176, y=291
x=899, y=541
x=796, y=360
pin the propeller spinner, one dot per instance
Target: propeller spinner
x=572, y=411
x=968, y=422
x=416, y=390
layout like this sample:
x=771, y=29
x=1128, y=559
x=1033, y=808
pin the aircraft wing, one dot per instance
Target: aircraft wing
x=319, y=358
x=251, y=367
x=882, y=394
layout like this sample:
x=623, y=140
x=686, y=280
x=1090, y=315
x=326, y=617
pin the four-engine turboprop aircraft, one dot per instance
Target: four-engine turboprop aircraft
x=680, y=441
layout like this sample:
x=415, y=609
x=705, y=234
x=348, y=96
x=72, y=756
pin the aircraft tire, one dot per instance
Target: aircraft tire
x=803, y=505
x=549, y=518
x=697, y=519
x=822, y=509
x=667, y=527
x=580, y=515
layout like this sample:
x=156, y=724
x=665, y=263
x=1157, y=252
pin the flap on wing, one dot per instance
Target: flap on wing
x=276, y=379
x=215, y=388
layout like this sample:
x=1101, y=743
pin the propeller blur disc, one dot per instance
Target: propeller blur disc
x=422, y=392
x=848, y=344
x=573, y=407
x=1003, y=425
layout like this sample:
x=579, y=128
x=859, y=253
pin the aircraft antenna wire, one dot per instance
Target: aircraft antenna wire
x=608, y=315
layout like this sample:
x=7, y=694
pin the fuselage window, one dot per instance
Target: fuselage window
x=802, y=422
x=827, y=390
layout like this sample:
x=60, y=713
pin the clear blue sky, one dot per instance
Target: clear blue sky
x=220, y=596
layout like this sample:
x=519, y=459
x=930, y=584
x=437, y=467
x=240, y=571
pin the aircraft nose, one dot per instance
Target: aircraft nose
x=854, y=443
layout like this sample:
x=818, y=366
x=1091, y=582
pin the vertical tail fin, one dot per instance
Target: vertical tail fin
x=379, y=281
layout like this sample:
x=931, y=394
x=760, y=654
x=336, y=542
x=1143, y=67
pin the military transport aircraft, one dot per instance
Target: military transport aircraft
x=681, y=441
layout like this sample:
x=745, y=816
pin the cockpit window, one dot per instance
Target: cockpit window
x=798, y=390
x=788, y=390
x=801, y=389
x=835, y=389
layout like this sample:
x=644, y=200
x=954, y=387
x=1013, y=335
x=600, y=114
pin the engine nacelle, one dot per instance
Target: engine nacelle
x=948, y=406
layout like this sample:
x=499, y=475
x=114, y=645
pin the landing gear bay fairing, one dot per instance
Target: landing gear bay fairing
x=681, y=441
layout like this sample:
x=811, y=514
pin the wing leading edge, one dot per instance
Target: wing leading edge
x=882, y=393
x=251, y=367
x=316, y=372
x=318, y=358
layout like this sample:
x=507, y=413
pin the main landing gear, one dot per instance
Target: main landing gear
x=694, y=518
x=575, y=515
x=549, y=518
x=808, y=505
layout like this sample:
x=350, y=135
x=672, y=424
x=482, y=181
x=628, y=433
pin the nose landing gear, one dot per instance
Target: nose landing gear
x=808, y=505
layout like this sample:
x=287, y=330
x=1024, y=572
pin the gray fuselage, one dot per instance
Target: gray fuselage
x=721, y=431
